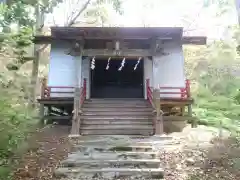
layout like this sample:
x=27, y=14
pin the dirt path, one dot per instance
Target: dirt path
x=46, y=149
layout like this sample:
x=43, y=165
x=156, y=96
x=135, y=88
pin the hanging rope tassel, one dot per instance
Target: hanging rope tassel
x=122, y=64
x=136, y=65
x=107, y=67
x=93, y=63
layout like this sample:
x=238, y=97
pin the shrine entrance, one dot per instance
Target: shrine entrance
x=117, y=78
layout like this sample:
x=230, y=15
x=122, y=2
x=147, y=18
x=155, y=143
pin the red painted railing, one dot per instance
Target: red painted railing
x=51, y=90
x=183, y=92
x=48, y=90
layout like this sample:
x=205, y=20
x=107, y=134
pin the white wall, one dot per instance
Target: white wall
x=61, y=70
x=168, y=70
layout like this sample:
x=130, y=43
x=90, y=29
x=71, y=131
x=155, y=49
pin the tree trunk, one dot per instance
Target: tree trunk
x=34, y=78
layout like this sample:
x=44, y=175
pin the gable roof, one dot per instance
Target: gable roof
x=112, y=33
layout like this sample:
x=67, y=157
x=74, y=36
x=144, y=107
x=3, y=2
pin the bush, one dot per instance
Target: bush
x=15, y=123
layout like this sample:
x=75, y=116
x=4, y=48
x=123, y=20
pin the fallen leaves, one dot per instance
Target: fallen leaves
x=46, y=149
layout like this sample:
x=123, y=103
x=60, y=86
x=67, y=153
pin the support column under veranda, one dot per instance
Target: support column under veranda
x=77, y=55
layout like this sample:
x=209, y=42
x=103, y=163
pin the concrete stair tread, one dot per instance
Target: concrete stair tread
x=76, y=170
x=113, y=155
x=156, y=173
x=153, y=163
x=118, y=148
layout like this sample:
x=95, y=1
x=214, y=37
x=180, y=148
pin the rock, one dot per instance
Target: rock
x=190, y=161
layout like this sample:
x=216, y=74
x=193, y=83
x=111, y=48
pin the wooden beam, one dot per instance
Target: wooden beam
x=107, y=52
x=195, y=40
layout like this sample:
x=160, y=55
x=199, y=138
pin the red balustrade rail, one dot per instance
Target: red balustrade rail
x=57, y=90
x=183, y=92
x=48, y=90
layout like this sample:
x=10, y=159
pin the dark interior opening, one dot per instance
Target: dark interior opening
x=115, y=83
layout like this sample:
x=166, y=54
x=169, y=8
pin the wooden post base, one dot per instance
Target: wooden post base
x=159, y=119
x=41, y=114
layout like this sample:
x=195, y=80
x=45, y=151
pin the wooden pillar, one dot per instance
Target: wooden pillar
x=159, y=115
x=41, y=108
x=157, y=58
x=188, y=89
x=77, y=91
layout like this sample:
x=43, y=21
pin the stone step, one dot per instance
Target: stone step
x=147, y=163
x=119, y=148
x=117, y=122
x=117, y=113
x=113, y=155
x=156, y=173
x=117, y=127
x=144, y=132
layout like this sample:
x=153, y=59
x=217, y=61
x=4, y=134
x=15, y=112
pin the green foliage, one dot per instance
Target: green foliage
x=15, y=123
x=223, y=6
x=17, y=13
x=115, y=3
x=15, y=46
x=216, y=73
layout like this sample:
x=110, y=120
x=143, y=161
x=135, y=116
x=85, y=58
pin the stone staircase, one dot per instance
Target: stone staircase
x=116, y=117
x=112, y=157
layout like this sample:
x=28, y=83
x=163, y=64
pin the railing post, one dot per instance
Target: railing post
x=147, y=86
x=76, y=113
x=188, y=90
x=41, y=108
x=159, y=114
x=43, y=87
x=77, y=91
x=85, y=87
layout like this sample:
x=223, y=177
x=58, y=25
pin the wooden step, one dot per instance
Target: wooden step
x=59, y=117
x=117, y=113
x=147, y=163
x=117, y=100
x=115, y=105
x=117, y=122
x=137, y=118
x=153, y=173
x=116, y=126
x=123, y=109
x=144, y=132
